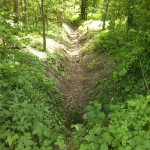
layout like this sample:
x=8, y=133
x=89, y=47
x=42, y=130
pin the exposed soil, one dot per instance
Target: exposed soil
x=79, y=79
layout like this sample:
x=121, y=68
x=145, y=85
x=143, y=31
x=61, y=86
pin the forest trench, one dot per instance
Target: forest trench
x=75, y=77
x=79, y=79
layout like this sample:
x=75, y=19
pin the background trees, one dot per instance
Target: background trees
x=84, y=7
x=16, y=11
x=43, y=24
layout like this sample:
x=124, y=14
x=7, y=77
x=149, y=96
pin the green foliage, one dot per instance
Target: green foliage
x=60, y=142
x=96, y=15
x=57, y=62
x=128, y=44
x=30, y=103
x=38, y=46
x=119, y=119
x=58, y=33
x=126, y=126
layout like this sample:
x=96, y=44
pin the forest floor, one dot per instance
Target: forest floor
x=84, y=68
x=83, y=72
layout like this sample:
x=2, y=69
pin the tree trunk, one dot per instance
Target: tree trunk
x=95, y=3
x=130, y=14
x=16, y=11
x=6, y=8
x=106, y=6
x=83, y=9
x=25, y=11
x=44, y=25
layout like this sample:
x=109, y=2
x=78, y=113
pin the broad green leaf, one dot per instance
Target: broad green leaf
x=83, y=147
x=104, y=146
x=131, y=103
x=90, y=138
x=121, y=148
x=148, y=98
x=60, y=142
x=128, y=148
x=9, y=140
x=96, y=129
x=140, y=147
x=138, y=140
x=15, y=118
x=107, y=137
x=127, y=88
x=146, y=144
x=76, y=127
x=91, y=115
x=2, y=146
x=89, y=108
x=131, y=142
x=115, y=143
x=46, y=142
x=101, y=115
x=26, y=139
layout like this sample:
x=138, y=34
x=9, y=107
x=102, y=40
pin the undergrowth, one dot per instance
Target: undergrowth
x=30, y=104
x=31, y=112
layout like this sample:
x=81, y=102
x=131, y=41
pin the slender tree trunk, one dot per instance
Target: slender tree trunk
x=35, y=19
x=83, y=9
x=5, y=5
x=16, y=11
x=43, y=24
x=95, y=3
x=130, y=14
x=25, y=11
x=106, y=6
x=46, y=20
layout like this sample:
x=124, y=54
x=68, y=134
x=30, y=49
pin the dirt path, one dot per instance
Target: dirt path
x=79, y=79
x=75, y=76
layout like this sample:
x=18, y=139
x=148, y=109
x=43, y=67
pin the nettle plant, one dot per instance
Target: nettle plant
x=126, y=127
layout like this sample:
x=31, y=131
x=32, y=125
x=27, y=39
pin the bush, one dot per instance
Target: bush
x=31, y=113
x=126, y=126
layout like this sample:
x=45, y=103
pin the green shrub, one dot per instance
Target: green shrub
x=30, y=105
x=125, y=127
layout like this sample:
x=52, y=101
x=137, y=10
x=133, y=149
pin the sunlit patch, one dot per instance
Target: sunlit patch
x=92, y=25
x=10, y=22
x=52, y=45
x=40, y=55
x=73, y=53
x=67, y=28
x=95, y=25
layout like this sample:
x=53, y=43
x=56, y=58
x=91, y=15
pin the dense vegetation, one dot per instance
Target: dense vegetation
x=31, y=106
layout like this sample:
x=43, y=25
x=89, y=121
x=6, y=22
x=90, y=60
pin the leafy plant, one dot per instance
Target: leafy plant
x=125, y=127
x=31, y=113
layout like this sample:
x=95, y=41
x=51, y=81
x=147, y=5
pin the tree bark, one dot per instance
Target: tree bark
x=83, y=9
x=130, y=14
x=43, y=24
x=106, y=6
x=16, y=11
x=25, y=11
x=95, y=3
